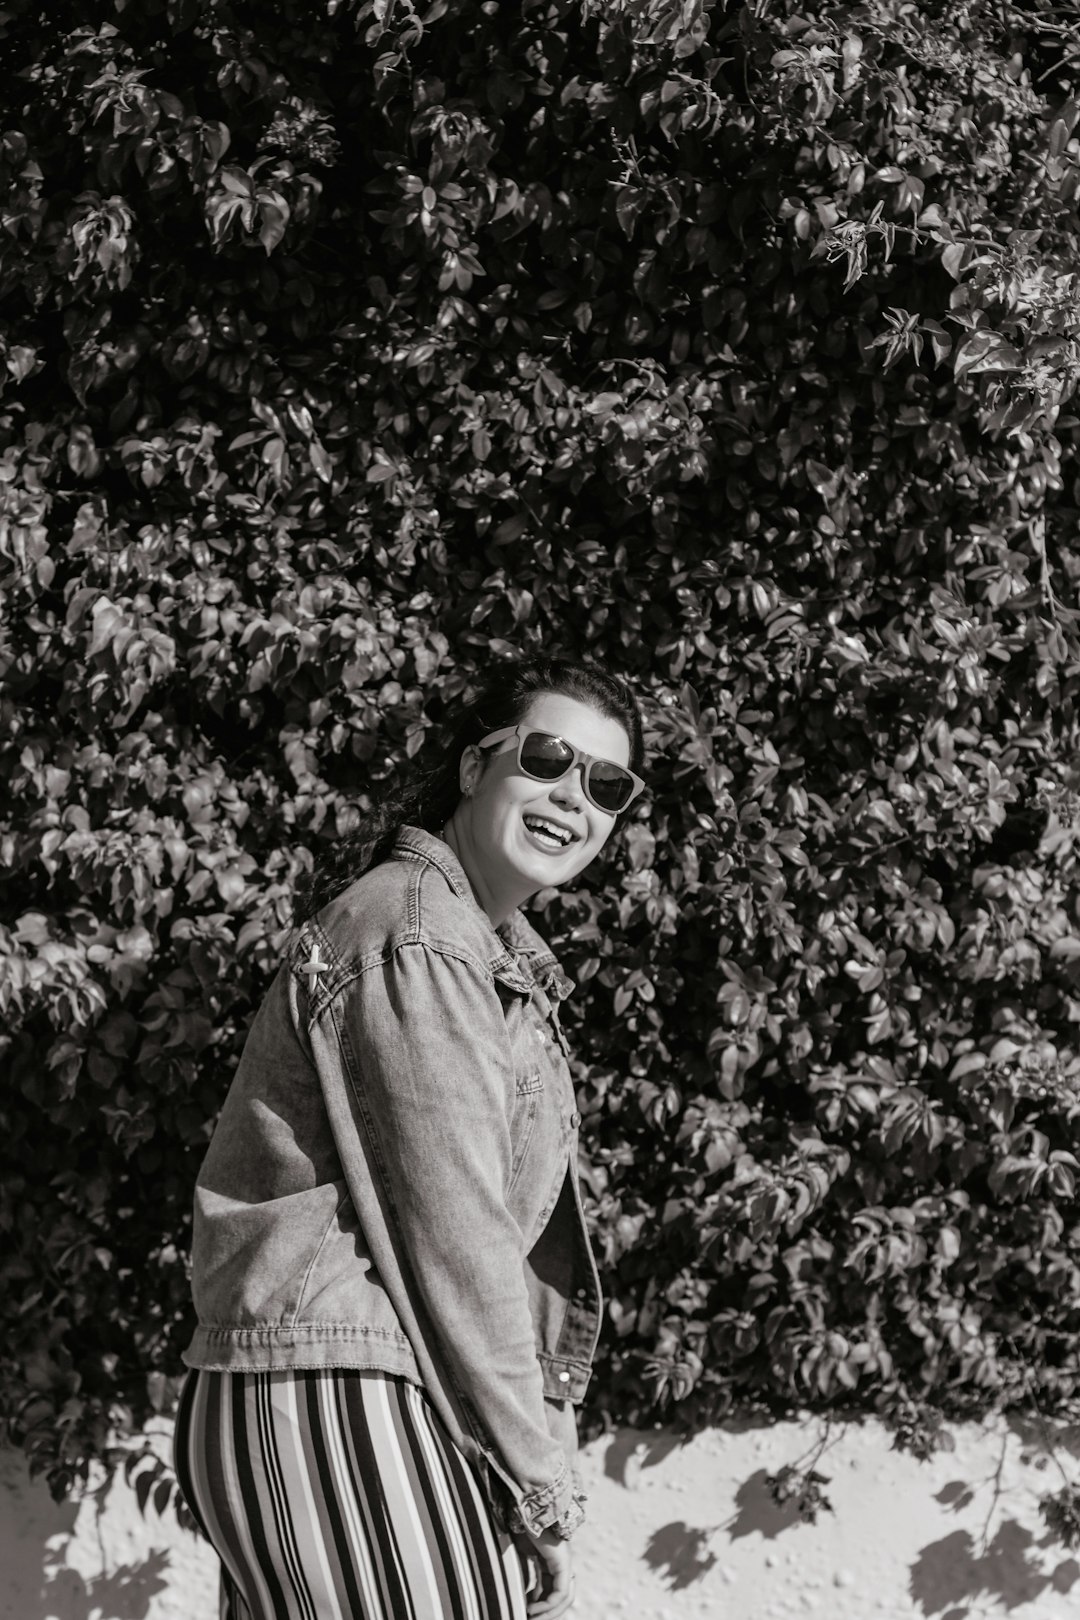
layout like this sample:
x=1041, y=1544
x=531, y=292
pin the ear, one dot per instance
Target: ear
x=470, y=769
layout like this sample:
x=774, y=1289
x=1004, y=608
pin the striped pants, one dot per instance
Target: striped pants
x=339, y=1495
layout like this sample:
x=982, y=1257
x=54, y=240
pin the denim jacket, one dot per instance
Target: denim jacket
x=393, y=1179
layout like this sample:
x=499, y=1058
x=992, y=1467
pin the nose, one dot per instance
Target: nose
x=570, y=789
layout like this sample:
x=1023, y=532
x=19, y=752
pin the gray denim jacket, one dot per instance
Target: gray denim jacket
x=393, y=1179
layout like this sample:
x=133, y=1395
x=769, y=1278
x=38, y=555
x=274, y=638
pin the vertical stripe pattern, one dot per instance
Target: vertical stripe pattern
x=339, y=1495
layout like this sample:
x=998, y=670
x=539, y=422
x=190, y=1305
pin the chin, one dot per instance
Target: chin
x=534, y=869
x=554, y=873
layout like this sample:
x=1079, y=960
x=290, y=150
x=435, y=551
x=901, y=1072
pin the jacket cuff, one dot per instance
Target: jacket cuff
x=559, y=1507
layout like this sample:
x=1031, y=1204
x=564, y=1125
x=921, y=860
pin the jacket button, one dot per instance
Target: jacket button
x=575, y=1120
x=564, y=1378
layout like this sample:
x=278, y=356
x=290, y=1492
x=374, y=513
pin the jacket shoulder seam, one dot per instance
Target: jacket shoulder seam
x=421, y=942
x=384, y=954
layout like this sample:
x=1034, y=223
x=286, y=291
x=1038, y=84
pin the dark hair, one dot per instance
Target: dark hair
x=429, y=797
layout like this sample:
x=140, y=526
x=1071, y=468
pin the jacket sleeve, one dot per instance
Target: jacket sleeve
x=426, y=1048
x=562, y=1424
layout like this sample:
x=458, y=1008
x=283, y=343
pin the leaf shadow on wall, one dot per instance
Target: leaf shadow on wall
x=39, y=1583
x=951, y=1575
x=679, y=1553
x=631, y=1451
x=125, y=1593
x=1042, y=1437
x=757, y=1513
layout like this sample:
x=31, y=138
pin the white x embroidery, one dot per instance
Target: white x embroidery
x=314, y=967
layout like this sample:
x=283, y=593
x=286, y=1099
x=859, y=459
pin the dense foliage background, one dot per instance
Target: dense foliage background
x=354, y=346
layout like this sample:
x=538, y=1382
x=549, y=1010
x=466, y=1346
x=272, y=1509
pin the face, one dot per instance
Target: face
x=506, y=806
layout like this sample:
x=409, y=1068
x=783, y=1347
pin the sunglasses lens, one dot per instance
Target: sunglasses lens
x=609, y=785
x=544, y=757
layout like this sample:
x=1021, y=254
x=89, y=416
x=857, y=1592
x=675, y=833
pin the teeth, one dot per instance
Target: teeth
x=537, y=824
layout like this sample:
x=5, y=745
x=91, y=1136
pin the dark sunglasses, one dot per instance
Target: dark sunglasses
x=545, y=757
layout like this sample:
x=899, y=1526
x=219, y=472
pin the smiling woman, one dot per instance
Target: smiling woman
x=397, y=1303
x=503, y=709
x=522, y=810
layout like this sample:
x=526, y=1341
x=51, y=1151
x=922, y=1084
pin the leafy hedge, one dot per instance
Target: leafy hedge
x=354, y=346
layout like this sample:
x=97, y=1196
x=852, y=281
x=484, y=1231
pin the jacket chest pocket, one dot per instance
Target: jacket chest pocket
x=543, y=1089
x=528, y=1096
x=537, y=1052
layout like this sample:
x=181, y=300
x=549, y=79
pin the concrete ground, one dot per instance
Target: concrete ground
x=674, y=1532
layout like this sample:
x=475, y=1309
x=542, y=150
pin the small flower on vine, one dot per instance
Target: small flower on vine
x=801, y=1489
x=919, y=1430
x=1061, y=1511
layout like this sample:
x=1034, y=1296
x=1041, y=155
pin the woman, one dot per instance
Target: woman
x=397, y=1305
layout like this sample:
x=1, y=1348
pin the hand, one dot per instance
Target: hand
x=548, y=1556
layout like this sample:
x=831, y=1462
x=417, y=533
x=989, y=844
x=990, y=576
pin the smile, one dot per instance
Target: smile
x=549, y=833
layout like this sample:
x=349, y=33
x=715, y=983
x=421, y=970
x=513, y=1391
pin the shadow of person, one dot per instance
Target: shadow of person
x=33, y=1529
x=757, y=1513
x=678, y=1552
x=950, y=1574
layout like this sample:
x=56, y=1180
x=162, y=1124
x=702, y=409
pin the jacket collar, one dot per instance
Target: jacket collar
x=517, y=950
x=543, y=964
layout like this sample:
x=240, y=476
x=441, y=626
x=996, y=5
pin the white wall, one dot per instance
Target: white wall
x=674, y=1531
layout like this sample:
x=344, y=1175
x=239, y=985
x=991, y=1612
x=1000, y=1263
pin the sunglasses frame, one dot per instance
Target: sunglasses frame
x=522, y=732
